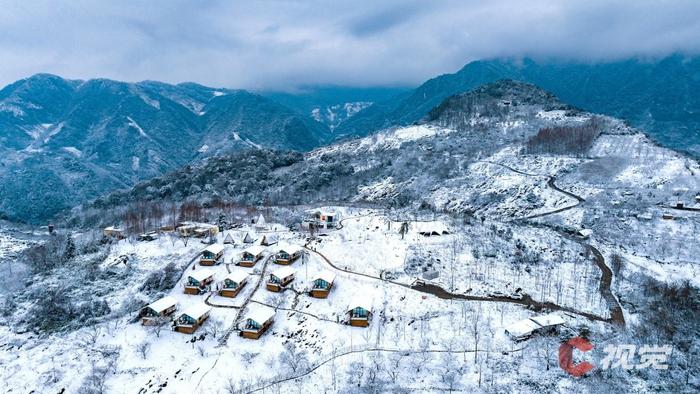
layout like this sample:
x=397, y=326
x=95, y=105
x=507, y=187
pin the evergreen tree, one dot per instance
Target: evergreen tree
x=69, y=250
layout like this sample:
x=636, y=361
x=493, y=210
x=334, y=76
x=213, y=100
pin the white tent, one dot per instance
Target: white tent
x=228, y=238
x=260, y=223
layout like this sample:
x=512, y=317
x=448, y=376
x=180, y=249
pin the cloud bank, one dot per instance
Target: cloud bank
x=286, y=44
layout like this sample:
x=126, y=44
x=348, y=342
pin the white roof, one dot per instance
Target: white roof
x=197, y=311
x=430, y=227
x=260, y=221
x=237, y=276
x=214, y=248
x=255, y=250
x=112, y=228
x=260, y=315
x=201, y=274
x=163, y=304
x=521, y=328
x=228, y=236
x=283, y=272
x=361, y=301
x=327, y=276
x=289, y=248
x=551, y=319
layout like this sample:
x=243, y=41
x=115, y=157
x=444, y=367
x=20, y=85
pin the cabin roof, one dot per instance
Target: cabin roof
x=112, y=228
x=237, y=276
x=214, y=248
x=526, y=327
x=270, y=238
x=431, y=227
x=255, y=250
x=201, y=274
x=521, y=328
x=260, y=221
x=162, y=304
x=283, y=272
x=197, y=311
x=260, y=315
x=327, y=276
x=289, y=248
x=360, y=301
x=551, y=319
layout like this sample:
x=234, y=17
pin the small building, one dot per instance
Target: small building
x=198, y=281
x=585, y=233
x=523, y=329
x=151, y=313
x=189, y=229
x=287, y=254
x=228, y=238
x=233, y=283
x=189, y=321
x=431, y=229
x=680, y=204
x=257, y=322
x=697, y=199
x=149, y=236
x=325, y=219
x=280, y=278
x=667, y=216
x=114, y=232
x=269, y=239
x=250, y=256
x=260, y=223
x=322, y=285
x=360, y=312
x=212, y=254
x=248, y=238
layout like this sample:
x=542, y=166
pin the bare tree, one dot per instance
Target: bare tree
x=144, y=348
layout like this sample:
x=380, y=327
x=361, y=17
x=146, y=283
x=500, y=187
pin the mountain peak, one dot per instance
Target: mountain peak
x=496, y=98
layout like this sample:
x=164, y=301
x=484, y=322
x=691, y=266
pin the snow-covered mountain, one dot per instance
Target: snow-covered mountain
x=502, y=205
x=66, y=141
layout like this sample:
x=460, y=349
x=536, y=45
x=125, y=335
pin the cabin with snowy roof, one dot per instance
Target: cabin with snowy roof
x=157, y=310
x=190, y=320
x=233, y=283
x=280, y=278
x=525, y=328
x=212, y=255
x=360, y=312
x=228, y=238
x=249, y=238
x=114, y=232
x=198, y=281
x=251, y=256
x=287, y=254
x=326, y=219
x=322, y=285
x=269, y=239
x=260, y=223
x=257, y=322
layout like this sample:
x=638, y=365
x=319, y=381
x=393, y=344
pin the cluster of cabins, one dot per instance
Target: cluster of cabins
x=201, y=280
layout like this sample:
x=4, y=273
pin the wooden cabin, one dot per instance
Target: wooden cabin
x=212, y=255
x=233, y=283
x=249, y=238
x=189, y=229
x=257, y=322
x=250, y=256
x=269, y=239
x=360, y=313
x=193, y=318
x=228, y=238
x=279, y=279
x=198, y=281
x=114, y=232
x=322, y=285
x=151, y=313
x=523, y=329
x=287, y=254
x=326, y=219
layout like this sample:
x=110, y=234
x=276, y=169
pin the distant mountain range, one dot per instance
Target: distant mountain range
x=333, y=105
x=661, y=97
x=65, y=141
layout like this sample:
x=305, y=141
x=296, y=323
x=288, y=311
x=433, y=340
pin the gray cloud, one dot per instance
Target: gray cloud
x=284, y=44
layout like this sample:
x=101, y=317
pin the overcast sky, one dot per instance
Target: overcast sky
x=285, y=44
